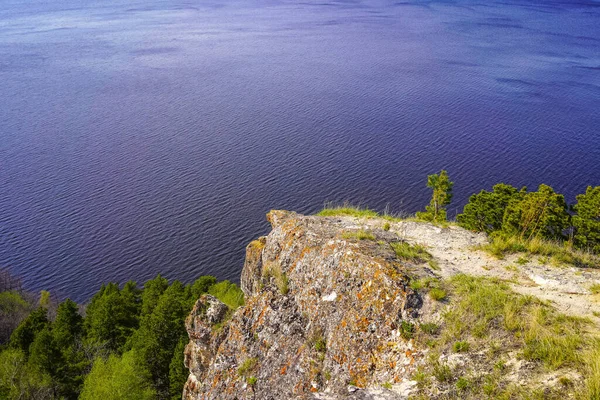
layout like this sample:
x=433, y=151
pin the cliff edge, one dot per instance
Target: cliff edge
x=334, y=307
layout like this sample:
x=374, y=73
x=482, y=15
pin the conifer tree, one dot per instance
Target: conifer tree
x=442, y=195
x=538, y=214
x=587, y=220
x=485, y=210
x=24, y=335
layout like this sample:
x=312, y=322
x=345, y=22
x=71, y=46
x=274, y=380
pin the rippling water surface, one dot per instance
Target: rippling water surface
x=139, y=137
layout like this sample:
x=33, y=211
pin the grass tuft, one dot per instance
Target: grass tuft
x=358, y=235
x=347, y=210
x=414, y=253
x=247, y=366
x=559, y=253
x=281, y=279
x=461, y=346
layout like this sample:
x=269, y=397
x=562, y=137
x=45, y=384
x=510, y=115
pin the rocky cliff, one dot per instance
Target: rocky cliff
x=331, y=312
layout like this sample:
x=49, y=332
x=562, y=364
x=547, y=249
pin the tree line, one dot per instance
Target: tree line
x=127, y=343
x=509, y=211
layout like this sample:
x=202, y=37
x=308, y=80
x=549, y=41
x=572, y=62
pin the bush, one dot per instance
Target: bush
x=539, y=214
x=587, y=220
x=484, y=211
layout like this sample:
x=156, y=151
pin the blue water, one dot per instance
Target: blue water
x=139, y=137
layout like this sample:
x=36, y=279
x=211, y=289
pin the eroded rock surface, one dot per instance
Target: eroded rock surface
x=322, y=319
x=326, y=312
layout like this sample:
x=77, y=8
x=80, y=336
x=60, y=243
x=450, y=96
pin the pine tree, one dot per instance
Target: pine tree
x=484, y=211
x=112, y=316
x=153, y=289
x=24, y=335
x=539, y=214
x=67, y=331
x=178, y=373
x=160, y=333
x=587, y=220
x=442, y=195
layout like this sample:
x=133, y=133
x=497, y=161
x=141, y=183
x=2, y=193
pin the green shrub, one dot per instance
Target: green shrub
x=538, y=214
x=463, y=384
x=484, y=211
x=587, y=220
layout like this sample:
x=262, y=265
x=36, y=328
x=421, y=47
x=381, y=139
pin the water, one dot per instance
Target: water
x=139, y=137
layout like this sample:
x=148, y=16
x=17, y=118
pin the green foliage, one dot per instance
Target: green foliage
x=44, y=354
x=18, y=380
x=320, y=345
x=587, y=220
x=24, y=335
x=153, y=289
x=118, y=378
x=202, y=284
x=178, y=373
x=538, y=214
x=251, y=380
x=463, y=384
x=414, y=253
x=358, y=235
x=461, y=346
x=347, y=210
x=430, y=328
x=229, y=293
x=68, y=324
x=485, y=211
x=44, y=298
x=112, y=316
x=442, y=196
x=442, y=371
x=159, y=335
x=559, y=252
x=247, y=366
x=437, y=294
x=548, y=337
x=407, y=330
x=52, y=359
x=13, y=308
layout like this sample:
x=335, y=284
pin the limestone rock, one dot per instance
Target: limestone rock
x=322, y=319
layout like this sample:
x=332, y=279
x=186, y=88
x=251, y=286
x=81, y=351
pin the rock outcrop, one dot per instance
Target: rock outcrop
x=330, y=310
x=322, y=319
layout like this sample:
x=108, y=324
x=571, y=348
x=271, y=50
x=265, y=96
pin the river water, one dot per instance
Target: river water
x=144, y=137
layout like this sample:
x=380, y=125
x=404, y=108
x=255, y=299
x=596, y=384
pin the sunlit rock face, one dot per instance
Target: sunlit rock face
x=323, y=318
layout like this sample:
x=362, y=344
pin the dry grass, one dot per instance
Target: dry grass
x=558, y=253
x=486, y=315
